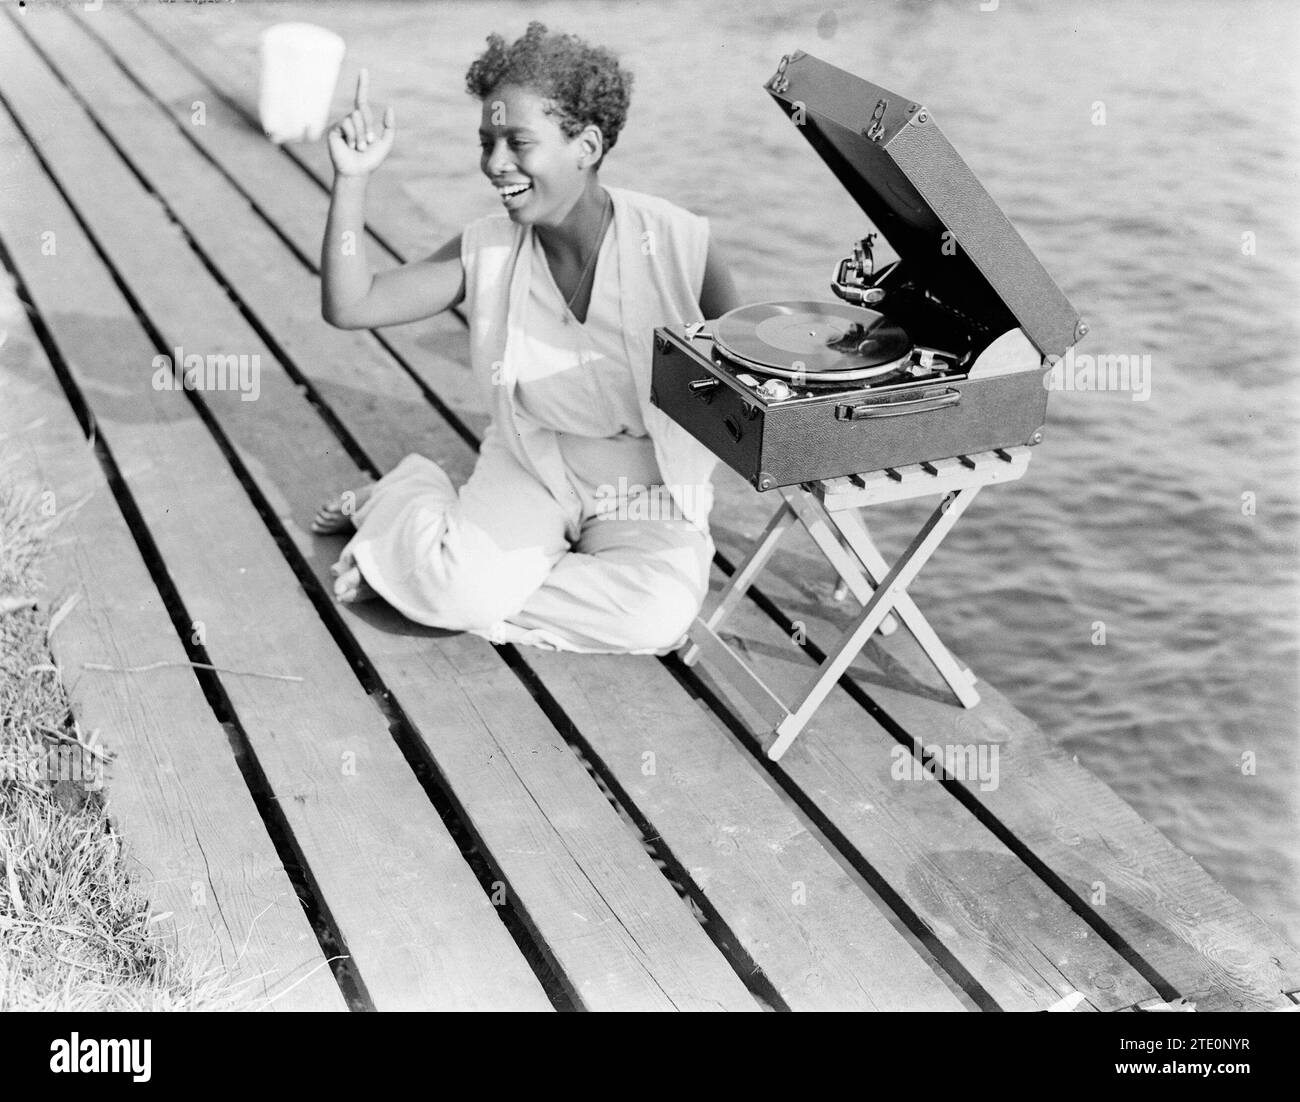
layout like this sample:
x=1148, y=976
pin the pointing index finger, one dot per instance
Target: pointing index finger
x=363, y=87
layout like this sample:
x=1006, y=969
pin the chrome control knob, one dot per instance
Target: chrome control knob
x=775, y=390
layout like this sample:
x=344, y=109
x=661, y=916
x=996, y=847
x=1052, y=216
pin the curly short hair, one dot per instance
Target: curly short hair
x=584, y=84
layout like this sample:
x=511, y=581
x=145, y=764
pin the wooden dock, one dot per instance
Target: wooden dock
x=354, y=812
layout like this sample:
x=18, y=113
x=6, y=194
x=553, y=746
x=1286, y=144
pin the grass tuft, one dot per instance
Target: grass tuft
x=75, y=933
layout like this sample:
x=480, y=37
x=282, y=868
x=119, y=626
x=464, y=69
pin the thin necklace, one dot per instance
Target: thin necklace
x=591, y=260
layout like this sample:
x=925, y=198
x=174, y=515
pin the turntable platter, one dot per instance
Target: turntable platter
x=817, y=342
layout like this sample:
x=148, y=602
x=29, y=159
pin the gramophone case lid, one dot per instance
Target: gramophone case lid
x=889, y=154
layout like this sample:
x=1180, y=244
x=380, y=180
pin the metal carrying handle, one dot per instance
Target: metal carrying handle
x=846, y=412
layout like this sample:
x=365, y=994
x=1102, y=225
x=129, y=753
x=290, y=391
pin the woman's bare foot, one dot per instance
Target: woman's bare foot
x=336, y=516
x=350, y=587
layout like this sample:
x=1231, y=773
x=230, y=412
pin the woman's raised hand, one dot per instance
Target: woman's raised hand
x=355, y=148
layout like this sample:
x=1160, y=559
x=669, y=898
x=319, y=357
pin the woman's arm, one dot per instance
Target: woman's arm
x=718, y=292
x=351, y=296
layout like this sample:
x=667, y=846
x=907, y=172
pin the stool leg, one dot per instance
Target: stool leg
x=739, y=582
x=959, y=678
x=822, y=528
x=909, y=564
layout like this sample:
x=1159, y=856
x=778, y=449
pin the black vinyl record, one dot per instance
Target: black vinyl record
x=818, y=342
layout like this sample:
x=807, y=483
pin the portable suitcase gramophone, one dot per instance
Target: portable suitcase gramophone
x=924, y=375
x=894, y=372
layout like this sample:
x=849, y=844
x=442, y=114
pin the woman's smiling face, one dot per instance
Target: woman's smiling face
x=538, y=172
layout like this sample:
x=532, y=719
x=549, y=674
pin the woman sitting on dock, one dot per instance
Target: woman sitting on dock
x=584, y=525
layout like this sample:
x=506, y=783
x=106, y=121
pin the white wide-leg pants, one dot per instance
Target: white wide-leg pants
x=494, y=559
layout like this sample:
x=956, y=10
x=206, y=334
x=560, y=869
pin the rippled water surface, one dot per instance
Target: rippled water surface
x=1136, y=147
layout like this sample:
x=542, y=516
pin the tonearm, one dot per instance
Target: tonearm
x=856, y=281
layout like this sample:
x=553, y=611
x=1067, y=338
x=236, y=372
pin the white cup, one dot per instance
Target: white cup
x=300, y=66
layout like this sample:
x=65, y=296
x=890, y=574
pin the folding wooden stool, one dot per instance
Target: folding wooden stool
x=829, y=509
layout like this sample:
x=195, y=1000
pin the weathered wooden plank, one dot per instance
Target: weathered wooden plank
x=616, y=929
x=231, y=133
x=608, y=919
x=393, y=214
x=782, y=935
x=422, y=932
x=193, y=838
x=1203, y=941
x=1131, y=920
x=175, y=159
x=1159, y=902
x=993, y=914
x=782, y=896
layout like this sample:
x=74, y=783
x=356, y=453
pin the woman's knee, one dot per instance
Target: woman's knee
x=661, y=615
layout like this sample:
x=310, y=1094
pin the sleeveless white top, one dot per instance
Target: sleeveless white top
x=655, y=267
x=574, y=379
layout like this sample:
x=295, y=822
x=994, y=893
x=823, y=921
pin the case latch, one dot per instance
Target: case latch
x=876, y=130
x=780, y=83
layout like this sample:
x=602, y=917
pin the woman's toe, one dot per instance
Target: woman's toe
x=345, y=563
x=351, y=588
x=345, y=583
x=330, y=518
x=337, y=514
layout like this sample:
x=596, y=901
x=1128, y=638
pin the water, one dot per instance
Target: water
x=1134, y=146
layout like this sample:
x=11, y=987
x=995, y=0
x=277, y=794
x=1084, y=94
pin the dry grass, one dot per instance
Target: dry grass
x=75, y=934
